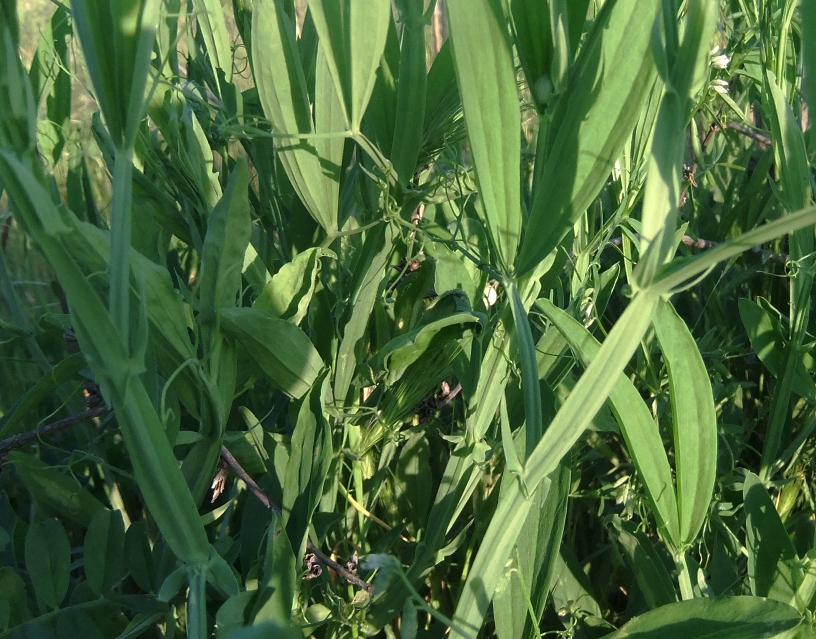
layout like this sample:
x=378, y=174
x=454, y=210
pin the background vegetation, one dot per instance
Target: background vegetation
x=406, y=318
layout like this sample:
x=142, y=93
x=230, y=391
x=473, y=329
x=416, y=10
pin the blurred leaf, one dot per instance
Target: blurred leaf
x=117, y=40
x=55, y=489
x=139, y=556
x=352, y=34
x=725, y=618
x=14, y=595
x=48, y=561
x=210, y=18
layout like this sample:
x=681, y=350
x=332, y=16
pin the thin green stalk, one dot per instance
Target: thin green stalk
x=121, y=241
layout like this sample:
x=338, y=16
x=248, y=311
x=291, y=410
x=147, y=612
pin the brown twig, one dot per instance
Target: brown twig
x=763, y=140
x=23, y=438
x=256, y=490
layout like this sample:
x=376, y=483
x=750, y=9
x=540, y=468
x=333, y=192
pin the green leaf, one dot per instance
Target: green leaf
x=694, y=420
x=637, y=425
x=14, y=593
x=281, y=350
x=55, y=489
x=12, y=422
x=402, y=351
x=48, y=560
x=308, y=466
x=645, y=564
x=288, y=293
x=570, y=422
x=529, y=373
x=279, y=77
x=369, y=273
x=487, y=84
x=534, y=562
x=139, y=556
x=410, y=115
x=276, y=588
x=117, y=40
x=531, y=32
x=773, y=569
x=104, y=550
x=210, y=18
x=592, y=121
x=228, y=230
x=352, y=34
x=765, y=331
x=724, y=618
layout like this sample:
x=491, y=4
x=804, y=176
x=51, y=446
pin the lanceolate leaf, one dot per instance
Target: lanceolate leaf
x=773, y=569
x=281, y=83
x=637, y=426
x=487, y=84
x=280, y=349
x=694, y=420
x=724, y=618
x=592, y=121
x=309, y=463
x=352, y=33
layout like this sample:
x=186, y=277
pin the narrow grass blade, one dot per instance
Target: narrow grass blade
x=352, y=33
x=487, y=85
x=637, y=426
x=694, y=420
x=529, y=373
x=593, y=120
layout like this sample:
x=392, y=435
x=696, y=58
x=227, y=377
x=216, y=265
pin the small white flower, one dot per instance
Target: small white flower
x=720, y=86
x=720, y=61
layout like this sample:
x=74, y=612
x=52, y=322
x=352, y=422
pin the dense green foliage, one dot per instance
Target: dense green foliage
x=325, y=323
